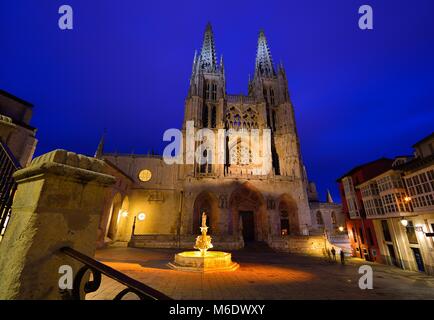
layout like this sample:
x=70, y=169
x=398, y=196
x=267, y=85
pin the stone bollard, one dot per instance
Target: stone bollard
x=59, y=201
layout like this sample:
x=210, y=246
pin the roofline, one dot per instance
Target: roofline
x=416, y=164
x=424, y=139
x=111, y=164
x=132, y=155
x=350, y=172
x=19, y=100
x=391, y=170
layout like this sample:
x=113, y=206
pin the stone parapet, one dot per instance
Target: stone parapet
x=59, y=201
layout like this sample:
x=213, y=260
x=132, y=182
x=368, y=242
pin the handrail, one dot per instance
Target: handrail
x=137, y=287
x=10, y=155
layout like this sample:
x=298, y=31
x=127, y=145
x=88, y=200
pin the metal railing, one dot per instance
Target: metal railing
x=8, y=186
x=97, y=268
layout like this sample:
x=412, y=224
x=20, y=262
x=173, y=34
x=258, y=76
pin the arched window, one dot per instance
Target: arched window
x=237, y=121
x=274, y=120
x=205, y=116
x=333, y=217
x=207, y=166
x=319, y=219
x=214, y=92
x=284, y=223
x=207, y=91
x=213, y=116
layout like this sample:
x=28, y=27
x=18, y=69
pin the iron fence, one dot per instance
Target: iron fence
x=8, y=186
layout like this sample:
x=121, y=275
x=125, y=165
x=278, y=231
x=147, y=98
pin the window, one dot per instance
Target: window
x=370, y=237
x=333, y=215
x=386, y=232
x=284, y=224
x=319, y=219
x=213, y=116
x=214, y=92
x=354, y=235
x=272, y=96
x=350, y=196
x=205, y=116
x=274, y=120
x=207, y=166
x=411, y=233
x=362, y=238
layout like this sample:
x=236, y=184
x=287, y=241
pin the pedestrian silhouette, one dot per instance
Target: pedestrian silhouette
x=342, y=254
x=334, y=253
x=329, y=255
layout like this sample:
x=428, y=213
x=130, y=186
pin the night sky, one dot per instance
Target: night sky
x=358, y=95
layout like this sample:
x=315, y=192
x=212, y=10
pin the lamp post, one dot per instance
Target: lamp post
x=134, y=227
x=140, y=216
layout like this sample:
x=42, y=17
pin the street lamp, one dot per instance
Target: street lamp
x=404, y=222
x=341, y=229
x=141, y=216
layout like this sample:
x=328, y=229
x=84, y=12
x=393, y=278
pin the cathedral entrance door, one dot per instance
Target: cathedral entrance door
x=248, y=226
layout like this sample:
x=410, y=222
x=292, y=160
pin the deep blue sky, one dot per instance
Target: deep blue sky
x=358, y=95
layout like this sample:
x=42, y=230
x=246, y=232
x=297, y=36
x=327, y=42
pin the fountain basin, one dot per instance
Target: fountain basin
x=213, y=261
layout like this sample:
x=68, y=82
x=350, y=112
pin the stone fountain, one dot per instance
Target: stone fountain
x=203, y=260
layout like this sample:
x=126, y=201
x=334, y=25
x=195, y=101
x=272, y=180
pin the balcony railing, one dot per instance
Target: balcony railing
x=96, y=268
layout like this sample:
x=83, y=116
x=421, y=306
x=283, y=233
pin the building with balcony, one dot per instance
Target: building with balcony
x=361, y=231
x=400, y=204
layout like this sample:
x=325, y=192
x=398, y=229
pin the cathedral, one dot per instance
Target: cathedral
x=156, y=204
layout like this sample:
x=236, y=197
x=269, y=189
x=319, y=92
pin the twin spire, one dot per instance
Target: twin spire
x=207, y=61
x=264, y=63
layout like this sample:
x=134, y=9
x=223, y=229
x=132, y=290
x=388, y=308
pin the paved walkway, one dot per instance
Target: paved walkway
x=263, y=274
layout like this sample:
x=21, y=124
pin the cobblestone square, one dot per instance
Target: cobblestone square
x=263, y=274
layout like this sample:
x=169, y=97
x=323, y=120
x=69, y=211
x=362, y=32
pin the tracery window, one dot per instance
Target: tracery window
x=241, y=155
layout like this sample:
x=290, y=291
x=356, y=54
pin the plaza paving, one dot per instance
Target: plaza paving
x=263, y=274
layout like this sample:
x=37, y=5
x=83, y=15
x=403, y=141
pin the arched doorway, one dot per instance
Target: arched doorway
x=289, y=224
x=205, y=202
x=114, y=216
x=248, y=214
x=119, y=214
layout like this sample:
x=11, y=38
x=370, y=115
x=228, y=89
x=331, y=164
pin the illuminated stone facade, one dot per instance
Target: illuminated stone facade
x=163, y=203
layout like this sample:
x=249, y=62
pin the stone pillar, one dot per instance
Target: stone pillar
x=58, y=203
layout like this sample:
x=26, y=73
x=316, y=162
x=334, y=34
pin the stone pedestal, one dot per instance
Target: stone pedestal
x=58, y=203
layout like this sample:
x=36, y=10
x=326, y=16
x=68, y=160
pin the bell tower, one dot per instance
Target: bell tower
x=271, y=87
x=205, y=101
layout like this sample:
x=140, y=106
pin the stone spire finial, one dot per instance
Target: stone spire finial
x=264, y=62
x=222, y=65
x=100, y=150
x=329, y=197
x=207, y=57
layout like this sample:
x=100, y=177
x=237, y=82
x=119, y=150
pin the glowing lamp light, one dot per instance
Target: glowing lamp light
x=407, y=199
x=341, y=229
x=125, y=213
x=141, y=216
x=404, y=222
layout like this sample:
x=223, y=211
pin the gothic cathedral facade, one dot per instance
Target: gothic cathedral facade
x=156, y=204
